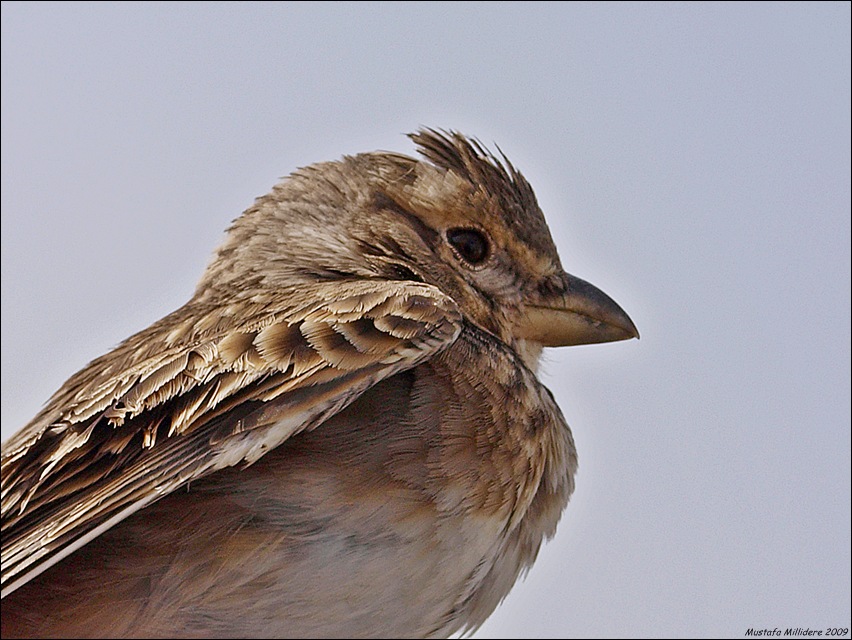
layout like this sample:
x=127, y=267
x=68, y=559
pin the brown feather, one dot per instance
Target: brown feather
x=340, y=434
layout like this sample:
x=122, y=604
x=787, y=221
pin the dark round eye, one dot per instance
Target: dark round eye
x=470, y=243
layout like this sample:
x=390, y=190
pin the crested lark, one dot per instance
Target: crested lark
x=340, y=435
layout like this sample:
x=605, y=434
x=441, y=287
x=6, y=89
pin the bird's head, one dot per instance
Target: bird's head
x=462, y=220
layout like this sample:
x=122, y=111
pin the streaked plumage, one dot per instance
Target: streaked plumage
x=340, y=435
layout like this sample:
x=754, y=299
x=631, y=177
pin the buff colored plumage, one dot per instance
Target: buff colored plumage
x=340, y=435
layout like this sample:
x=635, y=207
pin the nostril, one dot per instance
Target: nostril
x=554, y=285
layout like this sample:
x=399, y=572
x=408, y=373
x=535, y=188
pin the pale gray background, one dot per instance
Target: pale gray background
x=693, y=161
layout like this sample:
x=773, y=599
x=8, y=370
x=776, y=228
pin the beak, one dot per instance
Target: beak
x=583, y=314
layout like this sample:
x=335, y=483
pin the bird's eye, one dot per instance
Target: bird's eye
x=470, y=244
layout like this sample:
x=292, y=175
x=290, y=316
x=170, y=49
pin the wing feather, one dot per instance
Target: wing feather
x=177, y=402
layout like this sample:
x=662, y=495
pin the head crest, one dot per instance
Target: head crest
x=468, y=158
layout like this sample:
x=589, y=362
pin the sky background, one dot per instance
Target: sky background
x=693, y=161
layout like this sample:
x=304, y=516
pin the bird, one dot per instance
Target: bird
x=341, y=433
